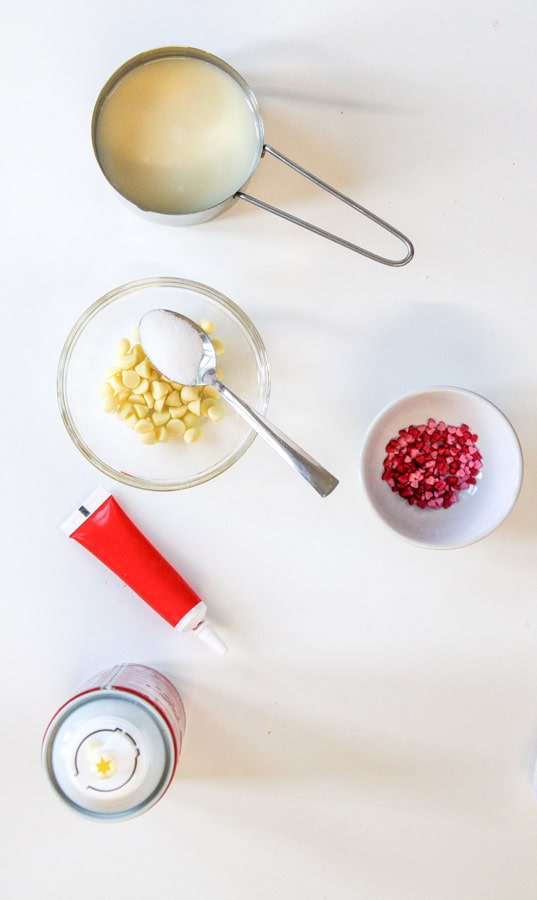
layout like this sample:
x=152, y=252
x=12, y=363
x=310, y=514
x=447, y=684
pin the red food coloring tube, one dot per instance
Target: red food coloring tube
x=428, y=464
x=104, y=528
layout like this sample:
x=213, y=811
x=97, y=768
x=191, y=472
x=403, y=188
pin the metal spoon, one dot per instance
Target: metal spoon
x=158, y=330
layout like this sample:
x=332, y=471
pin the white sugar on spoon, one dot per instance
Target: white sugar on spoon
x=182, y=352
x=173, y=345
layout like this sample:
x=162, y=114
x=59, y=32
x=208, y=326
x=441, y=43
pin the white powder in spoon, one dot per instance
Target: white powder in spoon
x=172, y=345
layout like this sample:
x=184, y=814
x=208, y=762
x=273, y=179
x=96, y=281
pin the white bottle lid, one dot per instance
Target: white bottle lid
x=108, y=755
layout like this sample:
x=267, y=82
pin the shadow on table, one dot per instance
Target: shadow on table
x=390, y=751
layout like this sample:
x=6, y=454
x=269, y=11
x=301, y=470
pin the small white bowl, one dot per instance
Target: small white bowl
x=480, y=508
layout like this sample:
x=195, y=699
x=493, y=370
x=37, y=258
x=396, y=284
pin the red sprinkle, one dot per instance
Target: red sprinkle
x=428, y=464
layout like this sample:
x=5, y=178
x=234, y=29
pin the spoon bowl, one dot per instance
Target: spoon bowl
x=178, y=347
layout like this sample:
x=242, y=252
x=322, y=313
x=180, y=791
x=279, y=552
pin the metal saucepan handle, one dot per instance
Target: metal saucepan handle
x=318, y=477
x=327, y=234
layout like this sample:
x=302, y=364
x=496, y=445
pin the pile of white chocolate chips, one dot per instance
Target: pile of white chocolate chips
x=154, y=407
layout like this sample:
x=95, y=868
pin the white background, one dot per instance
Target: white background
x=373, y=731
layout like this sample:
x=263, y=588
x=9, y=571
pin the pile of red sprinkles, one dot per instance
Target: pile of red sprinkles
x=428, y=464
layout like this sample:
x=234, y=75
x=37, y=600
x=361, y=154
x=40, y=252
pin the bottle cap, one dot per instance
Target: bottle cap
x=209, y=636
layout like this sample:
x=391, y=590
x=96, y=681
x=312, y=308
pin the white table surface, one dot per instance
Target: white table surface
x=373, y=731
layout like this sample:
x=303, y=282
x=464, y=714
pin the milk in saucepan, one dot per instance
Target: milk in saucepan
x=177, y=135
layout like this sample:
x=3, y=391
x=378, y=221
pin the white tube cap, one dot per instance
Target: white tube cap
x=209, y=636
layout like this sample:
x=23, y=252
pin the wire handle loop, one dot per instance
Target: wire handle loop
x=339, y=196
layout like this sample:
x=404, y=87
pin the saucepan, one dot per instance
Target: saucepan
x=178, y=133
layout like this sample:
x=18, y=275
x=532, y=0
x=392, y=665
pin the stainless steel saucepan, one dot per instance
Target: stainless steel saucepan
x=139, y=115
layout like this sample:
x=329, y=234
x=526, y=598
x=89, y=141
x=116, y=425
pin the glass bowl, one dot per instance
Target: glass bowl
x=482, y=506
x=117, y=450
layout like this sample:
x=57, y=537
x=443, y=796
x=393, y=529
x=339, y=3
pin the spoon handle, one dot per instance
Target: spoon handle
x=319, y=478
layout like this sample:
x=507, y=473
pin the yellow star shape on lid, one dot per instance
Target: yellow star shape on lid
x=103, y=767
